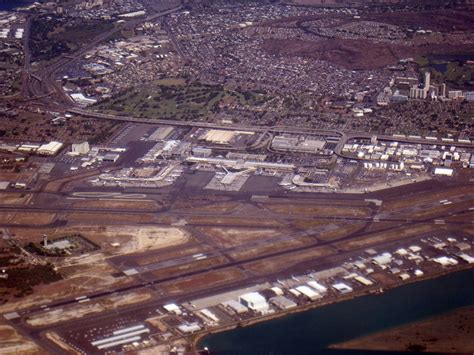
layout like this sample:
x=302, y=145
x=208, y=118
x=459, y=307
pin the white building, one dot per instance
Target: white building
x=444, y=171
x=80, y=148
x=317, y=286
x=382, y=259
x=51, y=148
x=455, y=94
x=342, y=287
x=255, y=301
x=172, y=308
x=282, y=302
x=308, y=292
x=82, y=100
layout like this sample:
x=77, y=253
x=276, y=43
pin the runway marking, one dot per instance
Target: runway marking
x=131, y=196
x=123, y=200
x=374, y=201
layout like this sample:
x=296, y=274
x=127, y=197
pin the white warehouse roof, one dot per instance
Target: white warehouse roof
x=173, y=308
x=50, y=148
x=308, y=292
x=444, y=171
x=382, y=259
x=342, y=287
x=317, y=286
x=254, y=301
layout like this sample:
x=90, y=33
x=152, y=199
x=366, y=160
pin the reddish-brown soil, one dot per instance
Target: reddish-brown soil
x=355, y=54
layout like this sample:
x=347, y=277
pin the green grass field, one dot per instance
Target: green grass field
x=452, y=70
x=174, y=98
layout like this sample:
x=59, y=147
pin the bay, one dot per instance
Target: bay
x=311, y=332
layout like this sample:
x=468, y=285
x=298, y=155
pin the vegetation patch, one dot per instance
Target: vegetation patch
x=456, y=71
x=52, y=36
x=176, y=99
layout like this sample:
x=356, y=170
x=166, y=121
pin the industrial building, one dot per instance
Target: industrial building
x=80, y=148
x=111, y=157
x=28, y=148
x=161, y=133
x=202, y=152
x=239, y=164
x=219, y=136
x=317, y=286
x=282, y=302
x=255, y=301
x=286, y=143
x=342, y=287
x=235, y=306
x=51, y=148
x=173, y=308
x=308, y=292
x=444, y=171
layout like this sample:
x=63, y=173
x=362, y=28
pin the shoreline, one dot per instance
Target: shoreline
x=195, y=339
x=447, y=332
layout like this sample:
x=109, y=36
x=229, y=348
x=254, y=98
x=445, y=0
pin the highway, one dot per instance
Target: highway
x=345, y=136
x=43, y=83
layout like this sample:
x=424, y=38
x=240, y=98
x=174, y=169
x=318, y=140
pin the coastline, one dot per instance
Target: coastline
x=448, y=332
x=14, y=5
x=197, y=338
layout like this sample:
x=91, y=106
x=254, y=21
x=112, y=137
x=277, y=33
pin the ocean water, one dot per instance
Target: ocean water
x=312, y=331
x=12, y=4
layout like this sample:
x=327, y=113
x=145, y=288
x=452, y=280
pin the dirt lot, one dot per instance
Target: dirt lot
x=100, y=218
x=382, y=237
x=152, y=257
x=269, y=248
x=318, y=210
x=118, y=204
x=340, y=231
x=228, y=237
x=438, y=20
x=193, y=266
x=81, y=310
x=139, y=239
x=284, y=262
x=449, y=333
x=11, y=342
x=208, y=280
x=356, y=54
x=14, y=198
x=37, y=218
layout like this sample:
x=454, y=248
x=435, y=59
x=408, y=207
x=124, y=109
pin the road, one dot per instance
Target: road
x=43, y=84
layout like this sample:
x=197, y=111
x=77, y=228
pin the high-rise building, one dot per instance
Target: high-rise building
x=80, y=148
x=427, y=80
x=442, y=90
x=417, y=93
